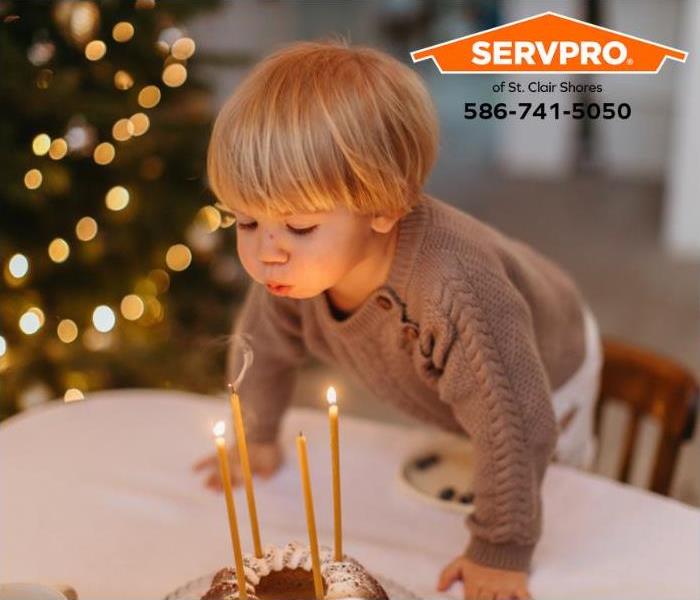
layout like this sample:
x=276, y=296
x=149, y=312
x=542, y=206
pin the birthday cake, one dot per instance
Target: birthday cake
x=286, y=574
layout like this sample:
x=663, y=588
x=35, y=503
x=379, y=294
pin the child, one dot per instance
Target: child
x=321, y=154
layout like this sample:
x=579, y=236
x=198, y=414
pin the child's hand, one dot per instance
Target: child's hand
x=484, y=583
x=265, y=459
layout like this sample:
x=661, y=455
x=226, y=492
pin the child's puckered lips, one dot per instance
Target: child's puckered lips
x=277, y=288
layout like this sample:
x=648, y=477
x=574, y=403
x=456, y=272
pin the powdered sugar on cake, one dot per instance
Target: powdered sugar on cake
x=344, y=580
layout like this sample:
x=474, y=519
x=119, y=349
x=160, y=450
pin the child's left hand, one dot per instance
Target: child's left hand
x=484, y=583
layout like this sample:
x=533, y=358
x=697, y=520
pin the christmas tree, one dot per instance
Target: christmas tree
x=117, y=269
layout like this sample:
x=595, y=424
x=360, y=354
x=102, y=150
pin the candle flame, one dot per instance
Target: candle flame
x=219, y=429
x=331, y=395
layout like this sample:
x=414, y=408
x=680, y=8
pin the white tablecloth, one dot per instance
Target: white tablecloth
x=99, y=494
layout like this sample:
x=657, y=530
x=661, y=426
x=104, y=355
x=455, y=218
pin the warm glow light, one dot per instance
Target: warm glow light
x=140, y=123
x=123, y=80
x=30, y=322
x=67, y=331
x=132, y=307
x=39, y=314
x=331, y=395
x=58, y=149
x=72, y=395
x=59, y=250
x=117, y=198
x=3, y=346
x=161, y=279
x=104, y=153
x=86, y=229
x=123, y=31
x=95, y=50
x=209, y=217
x=178, y=257
x=183, y=48
x=122, y=130
x=174, y=75
x=219, y=429
x=18, y=266
x=149, y=96
x=103, y=318
x=40, y=144
x=33, y=179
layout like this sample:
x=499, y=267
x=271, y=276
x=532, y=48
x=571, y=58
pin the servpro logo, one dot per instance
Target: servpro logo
x=549, y=43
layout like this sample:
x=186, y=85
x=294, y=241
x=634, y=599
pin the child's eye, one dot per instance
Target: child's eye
x=251, y=225
x=301, y=231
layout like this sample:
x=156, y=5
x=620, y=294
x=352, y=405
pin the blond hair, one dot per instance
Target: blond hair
x=318, y=125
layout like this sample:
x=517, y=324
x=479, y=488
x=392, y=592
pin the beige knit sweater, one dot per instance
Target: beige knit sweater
x=471, y=332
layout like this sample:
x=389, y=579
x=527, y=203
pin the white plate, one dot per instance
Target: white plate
x=451, y=468
x=194, y=590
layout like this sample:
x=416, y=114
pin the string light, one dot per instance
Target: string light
x=31, y=321
x=67, y=331
x=123, y=80
x=139, y=123
x=104, y=153
x=95, y=50
x=178, y=257
x=117, y=198
x=183, y=48
x=132, y=307
x=73, y=395
x=33, y=179
x=122, y=130
x=18, y=266
x=58, y=149
x=40, y=144
x=59, y=250
x=149, y=96
x=123, y=31
x=174, y=75
x=103, y=318
x=86, y=229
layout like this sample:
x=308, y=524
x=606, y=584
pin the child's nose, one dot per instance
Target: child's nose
x=269, y=250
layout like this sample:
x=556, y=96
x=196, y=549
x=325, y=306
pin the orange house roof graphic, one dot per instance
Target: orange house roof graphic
x=549, y=43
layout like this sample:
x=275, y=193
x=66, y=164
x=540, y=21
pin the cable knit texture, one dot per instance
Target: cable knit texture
x=471, y=332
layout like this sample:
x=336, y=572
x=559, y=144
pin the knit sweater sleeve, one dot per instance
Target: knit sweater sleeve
x=496, y=384
x=272, y=327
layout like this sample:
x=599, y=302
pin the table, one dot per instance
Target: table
x=100, y=494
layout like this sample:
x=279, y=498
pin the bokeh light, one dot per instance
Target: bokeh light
x=104, y=153
x=149, y=96
x=123, y=80
x=33, y=179
x=117, y=198
x=86, y=229
x=183, y=48
x=18, y=266
x=58, y=149
x=40, y=144
x=73, y=395
x=209, y=217
x=103, y=318
x=123, y=31
x=95, y=50
x=3, y=346
x=178, y=257
x=59, y=250
x=140, y=123
x=132, y=307
x=67, y=331
x=122, y=130
x=31, y=321
x=174, y=75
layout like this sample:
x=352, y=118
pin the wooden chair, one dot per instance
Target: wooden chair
x=649, y=385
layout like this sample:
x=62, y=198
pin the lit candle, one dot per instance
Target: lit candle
x=310, y=518
x=335, y=457
x=219, y=430
x=245, y=467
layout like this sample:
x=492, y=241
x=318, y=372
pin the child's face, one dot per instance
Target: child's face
x=303, y=254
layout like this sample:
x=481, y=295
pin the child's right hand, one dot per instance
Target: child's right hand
x=265, y=459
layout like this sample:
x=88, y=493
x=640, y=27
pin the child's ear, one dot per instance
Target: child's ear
x=384, y=223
